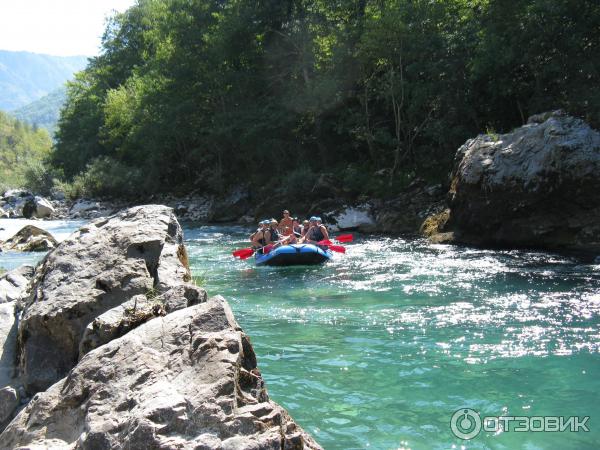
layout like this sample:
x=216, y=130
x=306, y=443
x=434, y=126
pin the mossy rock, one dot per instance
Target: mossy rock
x=435, y=223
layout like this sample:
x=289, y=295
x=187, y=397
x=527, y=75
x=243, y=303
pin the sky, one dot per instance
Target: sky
x=56, y=27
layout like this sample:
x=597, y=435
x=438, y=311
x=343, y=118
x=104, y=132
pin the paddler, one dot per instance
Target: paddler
x=259, y=237
x=316, y=231
x=304, y=228
x=273, y=235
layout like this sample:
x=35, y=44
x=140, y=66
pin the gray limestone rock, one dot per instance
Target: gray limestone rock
x=102, y=265
x=185, y=380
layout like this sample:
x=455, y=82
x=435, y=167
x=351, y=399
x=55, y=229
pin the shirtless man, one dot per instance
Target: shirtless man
x=286, y=225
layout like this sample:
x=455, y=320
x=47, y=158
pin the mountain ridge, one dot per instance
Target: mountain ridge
x=26, y=76
x=43, y=112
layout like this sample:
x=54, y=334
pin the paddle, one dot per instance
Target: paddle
x=246, y=253
x=336, y=248
x=344, y=238
x=243, y=253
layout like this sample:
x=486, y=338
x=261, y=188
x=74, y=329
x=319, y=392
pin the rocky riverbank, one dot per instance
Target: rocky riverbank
x=401, y=215
x=109, y=345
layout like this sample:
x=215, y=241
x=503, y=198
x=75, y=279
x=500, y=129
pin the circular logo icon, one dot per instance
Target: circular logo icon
x=465, y=423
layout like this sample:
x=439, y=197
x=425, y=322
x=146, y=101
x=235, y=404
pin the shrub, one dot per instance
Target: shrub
x=39, y=178
x=106, y=177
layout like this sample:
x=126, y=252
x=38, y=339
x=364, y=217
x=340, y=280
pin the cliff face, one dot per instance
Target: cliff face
x=534, y=187
x=118, y=348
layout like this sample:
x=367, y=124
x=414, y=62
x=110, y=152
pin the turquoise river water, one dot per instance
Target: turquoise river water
x=378, y=348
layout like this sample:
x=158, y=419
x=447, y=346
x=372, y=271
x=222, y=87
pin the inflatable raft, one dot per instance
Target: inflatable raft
x=294, y=255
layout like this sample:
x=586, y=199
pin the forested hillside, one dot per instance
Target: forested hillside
x=23, y=149
x=213, y=94
x=45, y=111
x=25, y=77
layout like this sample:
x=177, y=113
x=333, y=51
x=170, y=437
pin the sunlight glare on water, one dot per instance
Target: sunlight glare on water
x=379, y=347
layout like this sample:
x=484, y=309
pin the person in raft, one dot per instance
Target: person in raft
x=277, y=238
x=316, y=231
x=273, y=236
x=259, y=237
x=286, y=225
x=297, y=227
x=304, y=228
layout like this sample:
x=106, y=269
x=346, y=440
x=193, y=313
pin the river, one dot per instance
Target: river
x=378, y=348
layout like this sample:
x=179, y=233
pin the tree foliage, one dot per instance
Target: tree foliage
x=213, y=93
x=22, y=147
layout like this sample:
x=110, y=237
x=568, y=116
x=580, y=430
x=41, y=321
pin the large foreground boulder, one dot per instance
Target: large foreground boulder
x=534, y=187
x=99, y=267
x=186, y=380
x=122, y=351
x=12, y=285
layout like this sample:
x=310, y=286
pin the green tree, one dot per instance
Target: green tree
x=21, y=148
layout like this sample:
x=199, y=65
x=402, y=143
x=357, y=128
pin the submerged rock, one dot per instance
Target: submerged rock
x=31, y=239
x=534, y=187
x=186, y=380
